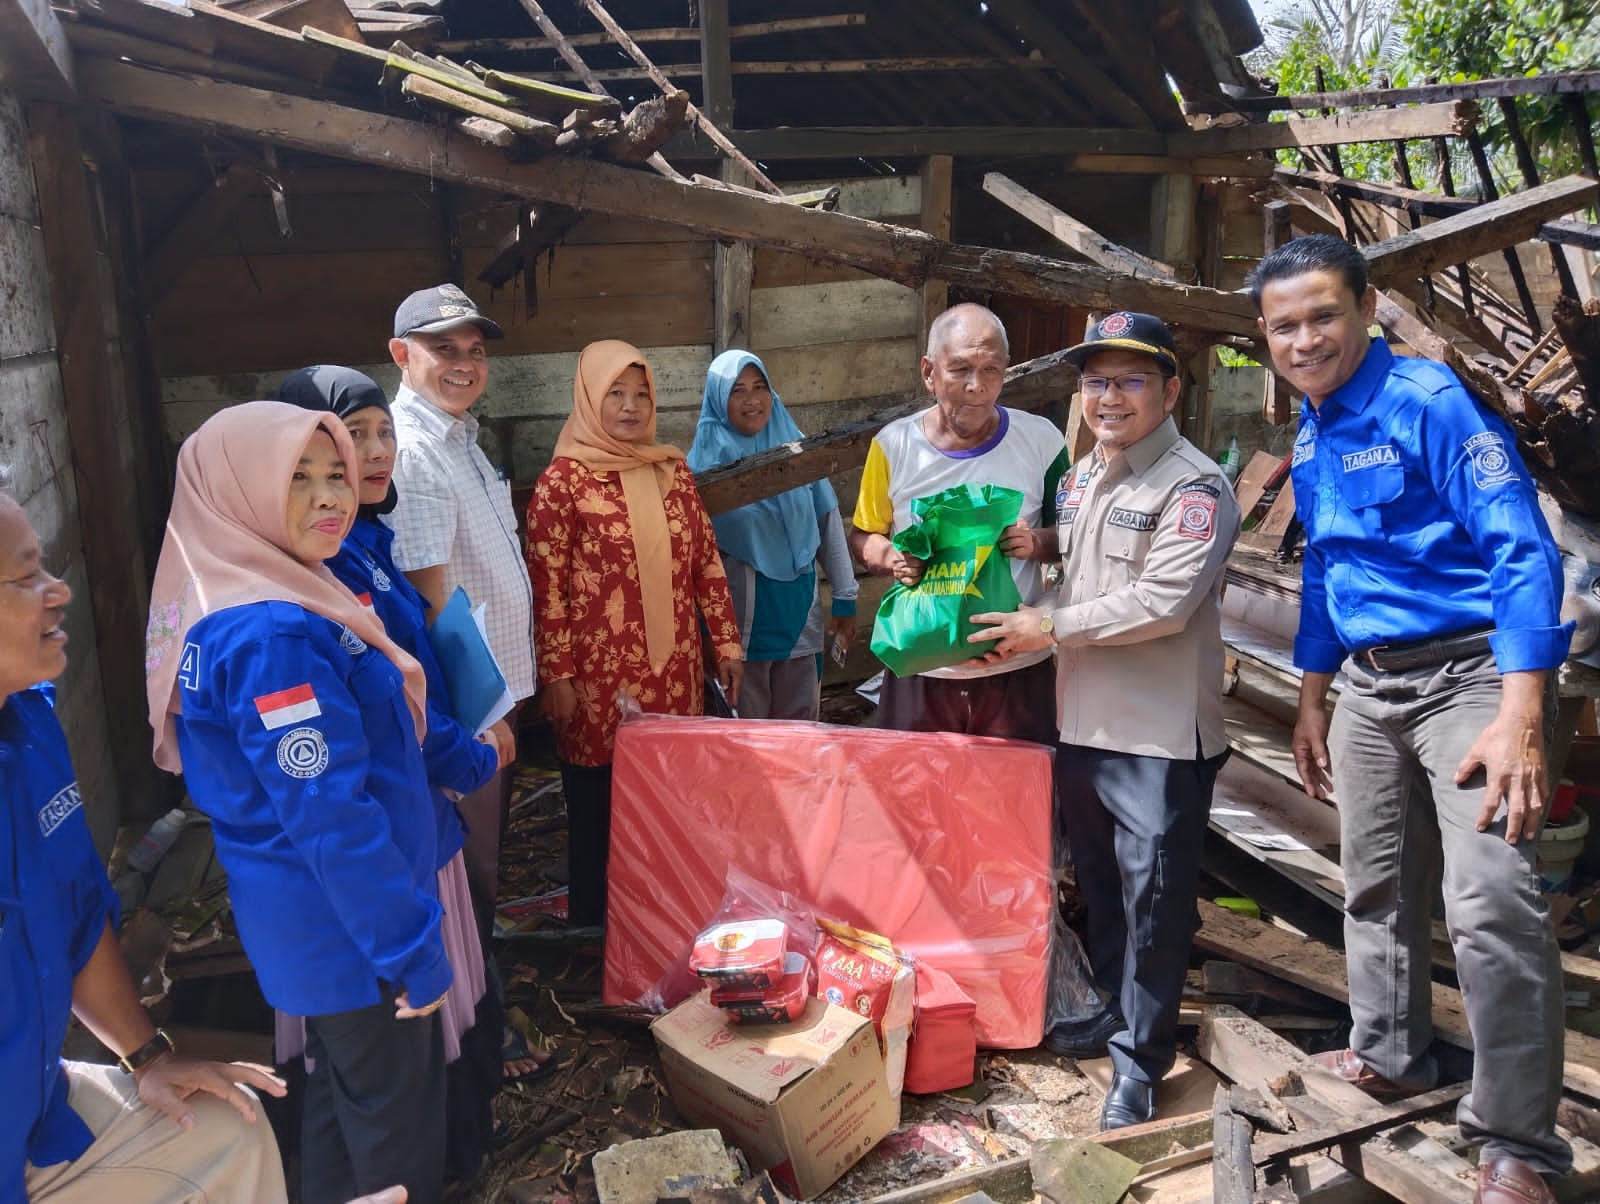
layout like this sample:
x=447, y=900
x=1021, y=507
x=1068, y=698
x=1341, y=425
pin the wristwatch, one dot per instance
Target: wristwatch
x=1047, y=624
x=156, y=1047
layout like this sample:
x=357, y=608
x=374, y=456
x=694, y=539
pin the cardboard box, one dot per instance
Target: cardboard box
x=804, y=1101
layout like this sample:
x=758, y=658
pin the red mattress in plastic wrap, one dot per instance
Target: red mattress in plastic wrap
x=940, y=842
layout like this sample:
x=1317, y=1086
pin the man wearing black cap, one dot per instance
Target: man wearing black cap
x=1145, y=523
x=454, y=524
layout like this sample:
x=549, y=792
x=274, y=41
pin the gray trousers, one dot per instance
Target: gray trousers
x=1395, y=742
x=786, y=689
x=1135, y=826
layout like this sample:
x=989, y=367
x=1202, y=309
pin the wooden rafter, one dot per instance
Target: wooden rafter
x=758, y=29
x=1576, y=82
x=1382, y=125
x=35, y=60
x=1081, y=72
x=894, y=253
x=1489, y=227
x=1070, y=232
x=192, y=234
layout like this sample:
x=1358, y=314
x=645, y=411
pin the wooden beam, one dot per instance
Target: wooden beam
x=1233, y=1172
x=1029, y=386
x=895, y=253
x=1070, y=232
x=716, y=60
x=35, y=59
x=1488, y=227
x=1569, y=83
x=1252, y=1056
x=1563, y=231
x=916, y=142
x=733, y=280
x=707, y=127
x=1423, y=121
x=1361, y=1124
x=759, y=29
x=1318, y=967
x=938, y=178
x=192, y=235
x=73, y=226
x=1243, y=166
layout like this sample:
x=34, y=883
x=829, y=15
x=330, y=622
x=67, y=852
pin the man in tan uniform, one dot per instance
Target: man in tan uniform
x=1144, y=523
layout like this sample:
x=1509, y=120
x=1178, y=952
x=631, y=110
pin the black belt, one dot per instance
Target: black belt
x=1416, y=654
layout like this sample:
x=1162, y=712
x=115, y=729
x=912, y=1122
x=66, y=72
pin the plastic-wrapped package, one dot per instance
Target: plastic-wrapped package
x=940, y=842
x=864, y=972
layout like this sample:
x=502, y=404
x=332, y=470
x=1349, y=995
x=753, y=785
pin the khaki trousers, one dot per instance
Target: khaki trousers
x=141, y=1156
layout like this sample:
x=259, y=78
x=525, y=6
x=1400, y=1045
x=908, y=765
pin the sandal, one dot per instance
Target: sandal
x=515, y=1048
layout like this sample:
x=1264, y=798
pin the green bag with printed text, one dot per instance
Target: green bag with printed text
x=926, y=625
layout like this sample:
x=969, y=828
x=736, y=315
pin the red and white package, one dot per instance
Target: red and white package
x=742, y=954
x=778, y=1004
x=864, y=972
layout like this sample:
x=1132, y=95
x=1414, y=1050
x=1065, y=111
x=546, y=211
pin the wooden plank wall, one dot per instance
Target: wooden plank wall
x=35, y=448
x=254, y=305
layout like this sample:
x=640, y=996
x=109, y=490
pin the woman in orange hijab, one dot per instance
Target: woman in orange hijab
x=624, y=564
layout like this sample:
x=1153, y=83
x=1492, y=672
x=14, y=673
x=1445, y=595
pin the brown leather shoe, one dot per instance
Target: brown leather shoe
x=1503, y=1179
x=1348, y=1066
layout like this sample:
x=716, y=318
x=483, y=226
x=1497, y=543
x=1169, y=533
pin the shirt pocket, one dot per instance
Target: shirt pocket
x=1122, y=556
x=1369, y=490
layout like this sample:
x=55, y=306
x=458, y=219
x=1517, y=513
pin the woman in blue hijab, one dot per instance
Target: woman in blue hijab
x=770, y=548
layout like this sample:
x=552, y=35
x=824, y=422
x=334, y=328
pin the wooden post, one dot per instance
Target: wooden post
x=93, y=388
x=1530, y=177
x=716, y=66
x=1480, y=160
x=733, y=267
x=937, y=187
x=1233, y=1172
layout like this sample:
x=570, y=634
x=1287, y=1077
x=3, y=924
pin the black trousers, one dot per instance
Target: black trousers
x=374, y=1105
x=1017, y=705
x=588, y=793
x=1135, y=826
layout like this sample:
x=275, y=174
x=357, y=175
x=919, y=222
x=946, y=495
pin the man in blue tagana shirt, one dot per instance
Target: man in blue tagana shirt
x=159, y=1127
x=1431, y=578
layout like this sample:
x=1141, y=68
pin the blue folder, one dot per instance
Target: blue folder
x=478, y=693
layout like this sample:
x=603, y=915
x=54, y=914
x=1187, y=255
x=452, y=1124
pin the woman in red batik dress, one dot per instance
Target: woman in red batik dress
x=624, y=565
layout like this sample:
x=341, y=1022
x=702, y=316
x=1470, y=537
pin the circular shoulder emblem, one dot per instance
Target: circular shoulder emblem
x=351, y=642
x=303, y=753
x=1114, y=325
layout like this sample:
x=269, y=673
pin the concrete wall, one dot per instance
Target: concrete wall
x=35, y=446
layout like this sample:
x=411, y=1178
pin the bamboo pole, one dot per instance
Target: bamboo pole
x=598, y=11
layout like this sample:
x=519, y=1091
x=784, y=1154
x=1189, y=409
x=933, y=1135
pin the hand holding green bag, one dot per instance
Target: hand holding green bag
x=925, y=626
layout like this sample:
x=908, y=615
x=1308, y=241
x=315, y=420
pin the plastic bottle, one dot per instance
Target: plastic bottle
x=155, y=843
x=1229, y=463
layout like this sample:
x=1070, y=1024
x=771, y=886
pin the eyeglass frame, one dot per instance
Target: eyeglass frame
x=1144, y=377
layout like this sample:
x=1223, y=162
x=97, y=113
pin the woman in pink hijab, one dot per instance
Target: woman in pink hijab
x=296, y=724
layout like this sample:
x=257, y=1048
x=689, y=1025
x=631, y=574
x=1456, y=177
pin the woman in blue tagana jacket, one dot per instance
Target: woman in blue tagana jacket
x=297, y=723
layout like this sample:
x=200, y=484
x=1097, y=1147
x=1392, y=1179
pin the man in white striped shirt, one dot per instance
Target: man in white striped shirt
x=454, y=524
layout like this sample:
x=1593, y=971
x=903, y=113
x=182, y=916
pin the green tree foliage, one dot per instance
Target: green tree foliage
x=1449, y=40
x=1371, y=44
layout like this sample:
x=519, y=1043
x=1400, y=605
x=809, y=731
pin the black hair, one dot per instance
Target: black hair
x=1309, y=253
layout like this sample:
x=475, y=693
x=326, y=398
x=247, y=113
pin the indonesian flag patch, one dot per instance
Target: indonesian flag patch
x=294, y=705
x=1197, y=513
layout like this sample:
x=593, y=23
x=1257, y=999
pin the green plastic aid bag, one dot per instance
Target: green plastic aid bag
x=925, y=626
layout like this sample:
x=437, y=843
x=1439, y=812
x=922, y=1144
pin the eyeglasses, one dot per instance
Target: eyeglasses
x=1130, y=383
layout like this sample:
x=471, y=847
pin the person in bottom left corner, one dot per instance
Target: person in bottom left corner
x=296, y=722
x=158, y=1128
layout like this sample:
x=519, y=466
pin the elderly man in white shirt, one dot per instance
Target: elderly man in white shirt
x=454, y=524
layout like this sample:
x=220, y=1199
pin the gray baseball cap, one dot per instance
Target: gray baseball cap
x=442, y=307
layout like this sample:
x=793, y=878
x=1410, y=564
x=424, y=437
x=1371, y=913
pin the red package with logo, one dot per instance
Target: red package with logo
x=778, y=1004
x=741, y=954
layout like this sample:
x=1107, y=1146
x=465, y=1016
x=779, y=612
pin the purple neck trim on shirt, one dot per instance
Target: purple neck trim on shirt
x=988, y=445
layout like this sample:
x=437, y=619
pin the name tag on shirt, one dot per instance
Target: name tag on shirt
x=1384, y=453
x=1133, y=520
